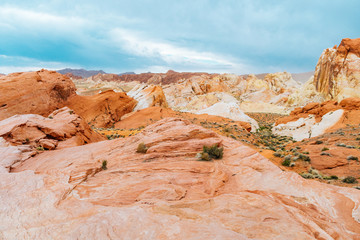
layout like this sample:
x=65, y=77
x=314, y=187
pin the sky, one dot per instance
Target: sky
x=216, y=36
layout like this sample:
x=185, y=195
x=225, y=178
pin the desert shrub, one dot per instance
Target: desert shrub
x=318, y=142
x=334, y=177
x=214, y=151
x=141, y=148
x=204, y=157
x=286, y=162
x=352, y=158
x=277, y=154
x=325, y=154
x=307, y=175
x=104, y=165
x=324, y=149
x=349, y=179
x=340, y=144
x=51, y=117
x=40, y=148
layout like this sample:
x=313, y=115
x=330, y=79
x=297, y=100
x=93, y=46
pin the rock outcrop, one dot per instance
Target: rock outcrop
x=22, y=135
x=229, y=110
x=148, y=96
x=147, y=116
x=337, y=74
x=169, y=193
x=39, y=92
x=103, y=109
x=316, y=118
x=44, y=91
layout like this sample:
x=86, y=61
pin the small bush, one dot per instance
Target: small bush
x=324, y=149
x=104, y=165
x=352, y=158
x=71, y=112
x=286, y=163
x=325, y=154
x=277, y=154
x=334, y=177
x=214, y=151
x=340, y=144
x=349, y=179
x=304, y=157
x=307, y=175
x=40, y=148
x=51, y=117
x=204, y=157
x=318, y=142
x=141, y=148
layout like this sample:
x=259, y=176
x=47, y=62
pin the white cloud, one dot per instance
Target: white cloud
x=135, y=43
x=11, y=16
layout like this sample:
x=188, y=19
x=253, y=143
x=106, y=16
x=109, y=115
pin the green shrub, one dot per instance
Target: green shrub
x=349, y=179
x=214, y=151
x=286, y=162
x=324, y=149
x=277, y=154
x=141, y=148
x=318, y=142
x=104, y=165
x=334, y=177
x=204, y=157
x=40, y=148
x=352, y=158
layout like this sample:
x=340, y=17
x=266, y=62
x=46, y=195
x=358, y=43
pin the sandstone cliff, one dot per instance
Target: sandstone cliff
x=337, y=74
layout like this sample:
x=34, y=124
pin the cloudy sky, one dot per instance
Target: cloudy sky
x=238, y=36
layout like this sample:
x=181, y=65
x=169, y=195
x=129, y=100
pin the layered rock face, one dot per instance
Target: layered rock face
x=148, y=96
x=316, y=118
x=168, y=194
x=104, y=109
x=337, y=73
x=21, y=134
x=39, y=92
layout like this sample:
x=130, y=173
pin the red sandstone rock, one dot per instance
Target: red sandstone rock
x=104, y=109
x=350, y=105
x=169, y=193
x=63, y=125
x=44, y=91
x=39, y=92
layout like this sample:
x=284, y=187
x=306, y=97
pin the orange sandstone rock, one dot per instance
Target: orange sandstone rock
x=169, y=193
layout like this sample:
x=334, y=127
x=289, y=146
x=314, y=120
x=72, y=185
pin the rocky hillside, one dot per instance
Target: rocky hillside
x=105, y=189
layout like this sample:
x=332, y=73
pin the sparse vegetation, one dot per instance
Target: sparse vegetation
x=319, y=142
x=215, y=152
x=286, y=162
x=324, y=149
x=104, y=165
x=352, y=158
x=141, y=148
x=349, y=179
x=40, y=148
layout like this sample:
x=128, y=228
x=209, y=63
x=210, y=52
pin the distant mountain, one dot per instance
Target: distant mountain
x=80, y=72
x=126, y=73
